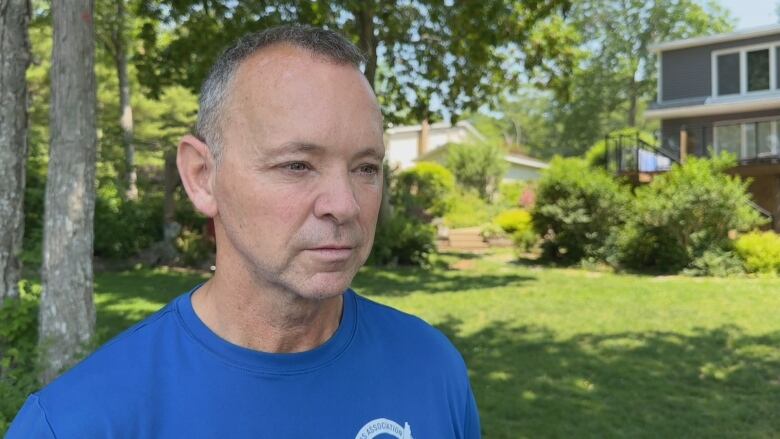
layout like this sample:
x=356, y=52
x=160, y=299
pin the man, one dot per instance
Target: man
x=288, y=163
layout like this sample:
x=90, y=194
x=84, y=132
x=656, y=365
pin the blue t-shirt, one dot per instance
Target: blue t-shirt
x=383, y=374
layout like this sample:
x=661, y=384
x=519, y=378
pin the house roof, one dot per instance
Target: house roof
x=741, y=34
x=436, y=126
x=519, y=159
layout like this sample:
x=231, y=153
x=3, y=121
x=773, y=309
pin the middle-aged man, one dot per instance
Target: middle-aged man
x=288, y=163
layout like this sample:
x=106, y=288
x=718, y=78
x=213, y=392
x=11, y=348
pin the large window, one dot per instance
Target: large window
x=746, y=70
x=748, y=140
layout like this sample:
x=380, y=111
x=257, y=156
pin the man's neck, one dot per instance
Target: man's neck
x=264, y=319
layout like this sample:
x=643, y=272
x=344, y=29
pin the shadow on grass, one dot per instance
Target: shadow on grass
x=124, y=298
x=712, y=383
x=402, y=281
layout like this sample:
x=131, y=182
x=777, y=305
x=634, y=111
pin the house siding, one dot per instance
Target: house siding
x=687, y=73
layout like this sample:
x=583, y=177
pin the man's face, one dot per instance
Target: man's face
x=300, y=184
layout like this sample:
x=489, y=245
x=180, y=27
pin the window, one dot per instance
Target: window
x=748, y=140
x=758, y=70
x=728, y=74
x=728, y=138
x=746, y=70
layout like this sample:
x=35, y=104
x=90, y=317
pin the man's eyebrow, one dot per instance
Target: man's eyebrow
x=307, y=147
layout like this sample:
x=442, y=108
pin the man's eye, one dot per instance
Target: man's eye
x=296, y=166
x=368, y=169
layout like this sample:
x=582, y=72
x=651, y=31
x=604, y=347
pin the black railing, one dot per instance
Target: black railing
x=627, y=153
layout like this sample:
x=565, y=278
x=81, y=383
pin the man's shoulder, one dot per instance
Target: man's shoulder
x=121, y=362
x=406, y=331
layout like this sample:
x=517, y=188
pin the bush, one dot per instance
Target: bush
x=510, y=194
x=403, y=240
x=18, y=336
x=467, y=209
x=684, y=214
x=478, y=166
x=424, y=190
x=760, y=252
x=513, y=220
x=124, y=228
x=717, y=262
x=577, y=210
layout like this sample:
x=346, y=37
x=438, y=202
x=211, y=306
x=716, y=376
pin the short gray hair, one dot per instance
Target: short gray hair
x=215, y=90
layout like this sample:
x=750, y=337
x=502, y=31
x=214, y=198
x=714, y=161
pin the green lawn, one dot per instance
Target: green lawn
x=569, y=353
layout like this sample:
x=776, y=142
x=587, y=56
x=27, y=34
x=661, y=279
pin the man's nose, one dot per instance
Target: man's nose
x=337, y=199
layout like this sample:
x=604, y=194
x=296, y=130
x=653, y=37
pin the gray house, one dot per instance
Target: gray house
x=721, y=93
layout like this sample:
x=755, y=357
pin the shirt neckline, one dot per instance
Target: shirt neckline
x=266, y=362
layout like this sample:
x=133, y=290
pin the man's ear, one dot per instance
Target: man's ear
x=197, y=170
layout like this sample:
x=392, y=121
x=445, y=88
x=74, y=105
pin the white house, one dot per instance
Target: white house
x=406, y=145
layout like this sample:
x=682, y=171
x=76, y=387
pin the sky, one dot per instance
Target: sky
x=752, y=13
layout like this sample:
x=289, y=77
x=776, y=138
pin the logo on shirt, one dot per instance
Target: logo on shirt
x=384, y=426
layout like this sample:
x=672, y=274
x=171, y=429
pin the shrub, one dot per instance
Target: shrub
x=467, y=209
x=194, y=249
x=716, y=262
x=684, y=214
x=577, y=209
x=402, y=240
x=18, y=336
x=477, y=166
x=513, y=220
x=759, y=251
x=424, y=190
x=123, y=228
x=510, y=193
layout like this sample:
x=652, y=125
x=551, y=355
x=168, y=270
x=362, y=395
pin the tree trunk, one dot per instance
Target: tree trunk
x=367, y=41
x=633, y=97
x=14, y=59
x=125, y=106
x=67, y=311
x=171, y=228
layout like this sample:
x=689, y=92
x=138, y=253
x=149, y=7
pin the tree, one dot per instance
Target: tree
x=418, y=53
x=114, y=35
x=67, y=312
x=478, y=166
x=616, y=73
x=14, y=59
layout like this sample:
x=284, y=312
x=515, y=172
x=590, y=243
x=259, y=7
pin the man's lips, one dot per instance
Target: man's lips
x=332, y=252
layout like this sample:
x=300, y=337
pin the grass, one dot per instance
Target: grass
x=564, y=352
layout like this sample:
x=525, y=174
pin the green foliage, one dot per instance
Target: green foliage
x=578, y=208
x=716, y=262
x=510, y=193
x=403, y=240
x=194, y=248
x=616, y=75
x=513, y=220
x=18, y=336
x=467, y=209
x=459, y=76
x=123, y=227
x=760, y=252
x=479, y=166
x=684, y=214
x=424, y=190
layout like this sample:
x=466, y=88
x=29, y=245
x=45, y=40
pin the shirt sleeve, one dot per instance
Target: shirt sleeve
x=472, y=426
x=30, y=422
